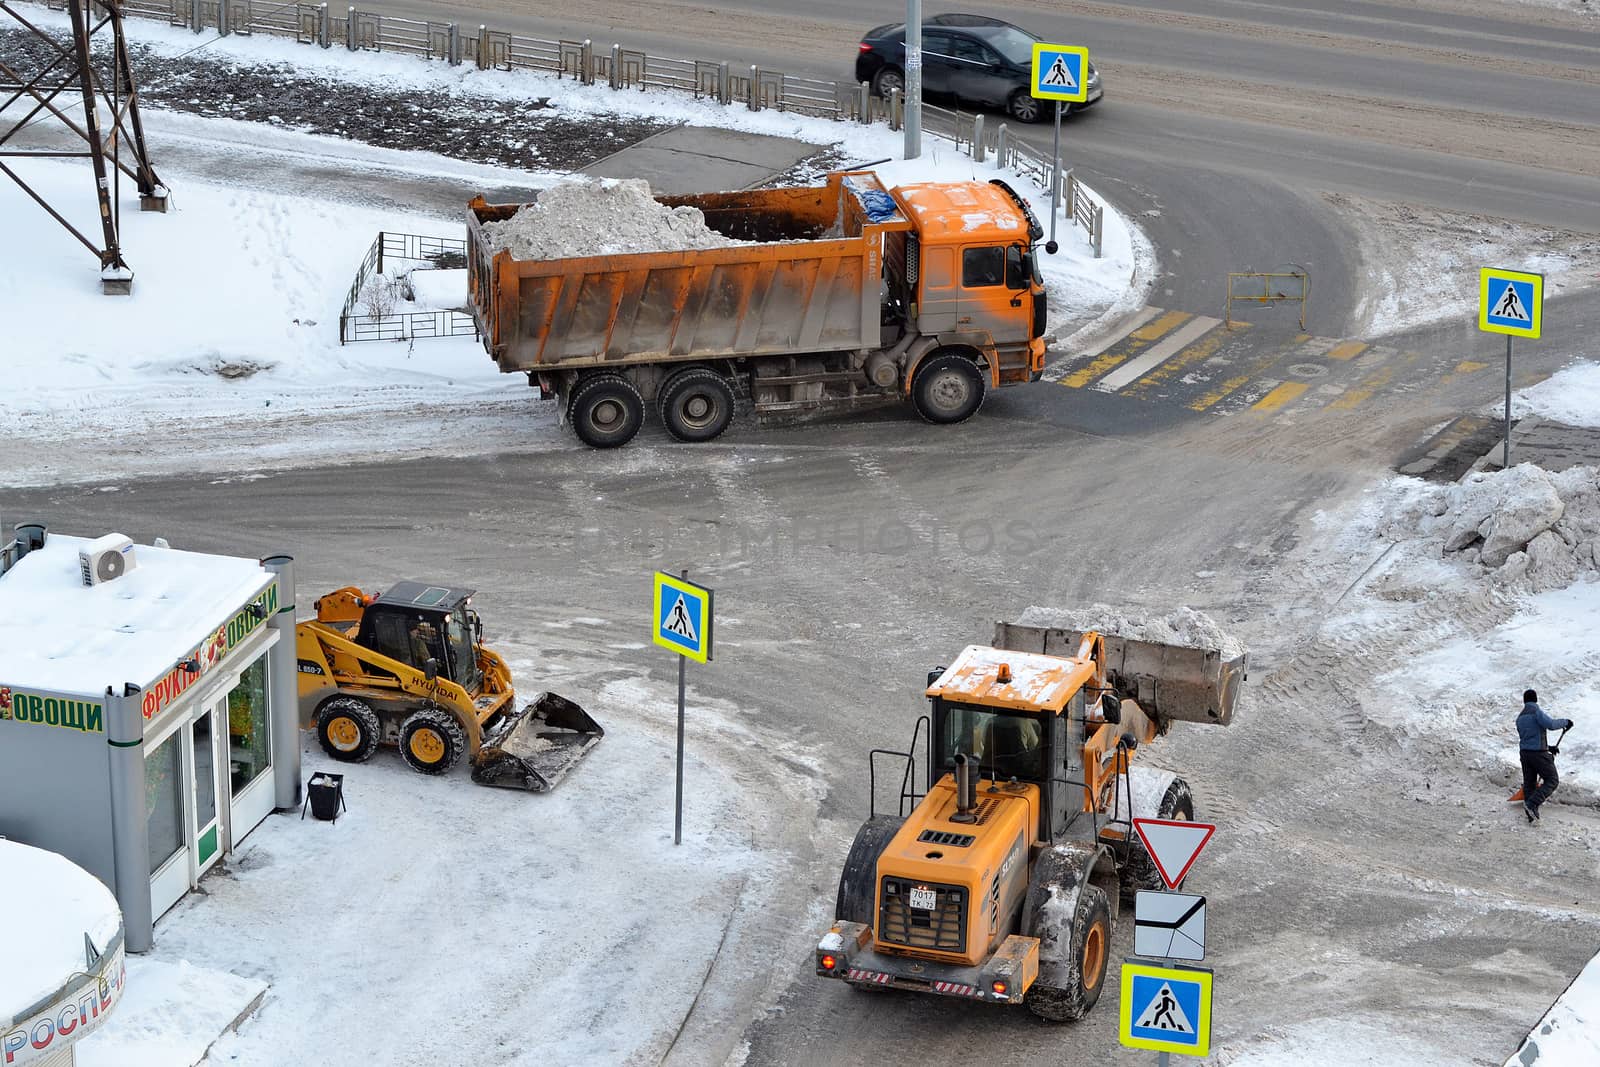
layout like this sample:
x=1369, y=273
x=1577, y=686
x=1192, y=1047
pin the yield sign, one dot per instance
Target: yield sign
x=1173, y=844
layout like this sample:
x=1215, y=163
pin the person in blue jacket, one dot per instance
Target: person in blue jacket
x=1539, y=778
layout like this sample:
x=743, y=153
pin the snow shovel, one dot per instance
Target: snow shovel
x=537, y=747
x=1517, y=798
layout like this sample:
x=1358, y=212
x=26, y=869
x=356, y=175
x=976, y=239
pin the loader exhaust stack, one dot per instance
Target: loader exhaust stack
x=966, y=790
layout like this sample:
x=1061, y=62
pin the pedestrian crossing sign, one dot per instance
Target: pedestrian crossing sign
x=683, y=617
x=1166, y=1009
x=1510, y=302
x=1060, y=72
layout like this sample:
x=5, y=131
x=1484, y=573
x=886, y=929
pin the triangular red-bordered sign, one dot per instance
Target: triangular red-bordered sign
x=1173, y=845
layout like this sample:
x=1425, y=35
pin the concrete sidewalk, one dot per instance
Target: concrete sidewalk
x=694, y=159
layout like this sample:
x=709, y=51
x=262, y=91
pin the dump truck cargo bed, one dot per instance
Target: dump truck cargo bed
x=808, y=281
x=1179, y=668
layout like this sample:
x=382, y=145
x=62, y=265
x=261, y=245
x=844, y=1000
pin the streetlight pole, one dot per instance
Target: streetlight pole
x=913, y=100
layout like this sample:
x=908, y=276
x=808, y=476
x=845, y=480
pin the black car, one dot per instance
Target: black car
x=970, y=58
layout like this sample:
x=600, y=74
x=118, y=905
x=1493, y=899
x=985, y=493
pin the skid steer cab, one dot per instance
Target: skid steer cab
x=1002, y=875
x=408, y=669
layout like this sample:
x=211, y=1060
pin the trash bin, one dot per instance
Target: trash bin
x=325, y=796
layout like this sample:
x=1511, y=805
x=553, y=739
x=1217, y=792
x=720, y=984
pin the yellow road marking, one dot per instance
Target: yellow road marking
x=1093, y=369
x=1467, y=366
x=1347, y=350
x=1255, y=366
x=1170, y=321
x=1364, y=391
x=1280, y=396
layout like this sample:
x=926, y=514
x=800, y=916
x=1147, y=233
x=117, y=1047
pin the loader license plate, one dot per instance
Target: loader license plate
x=923, y=899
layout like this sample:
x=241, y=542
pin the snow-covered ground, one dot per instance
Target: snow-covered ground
x=227, y=353
x=1569, y=1034
x=1571, y=395
x=170, y=1015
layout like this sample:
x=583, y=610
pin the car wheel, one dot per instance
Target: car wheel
x=1024, y=108
x=696, y=404
x=888, y=80
x=605, y=410
x=947, y=388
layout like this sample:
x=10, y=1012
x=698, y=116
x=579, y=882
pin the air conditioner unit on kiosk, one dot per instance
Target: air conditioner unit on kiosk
x=106, y=558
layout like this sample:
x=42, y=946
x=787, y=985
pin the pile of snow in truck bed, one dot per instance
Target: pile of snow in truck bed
x=1185, y=626
x=602, y=219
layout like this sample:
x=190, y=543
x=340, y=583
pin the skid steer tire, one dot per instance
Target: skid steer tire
x=696, y=405
x=1089, y=948
x=431, y=741
x=348, y=729
x=1140, y=873
x=858, y=882
x=606, y=410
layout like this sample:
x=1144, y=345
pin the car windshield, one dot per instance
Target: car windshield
x=458, y=631
x=1005, y=744
x=1016, y=45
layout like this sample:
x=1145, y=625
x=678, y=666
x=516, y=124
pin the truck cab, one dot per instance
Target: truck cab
x=971, y=277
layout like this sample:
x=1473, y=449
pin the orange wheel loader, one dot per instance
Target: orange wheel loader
x=1001, y=879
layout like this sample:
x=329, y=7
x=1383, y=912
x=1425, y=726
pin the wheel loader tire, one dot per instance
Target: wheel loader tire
x=947, y=388
x=1089, y=943
x=696, y=404
x=1140, y=873
x=605, y=410
x=348, y=729
x=431, y=741
x=858, y=882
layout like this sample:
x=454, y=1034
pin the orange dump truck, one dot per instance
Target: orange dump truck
x=844, y=294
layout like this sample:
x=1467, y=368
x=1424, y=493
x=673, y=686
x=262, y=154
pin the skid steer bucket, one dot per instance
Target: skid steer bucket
x=1170, y=682
x=535, y=748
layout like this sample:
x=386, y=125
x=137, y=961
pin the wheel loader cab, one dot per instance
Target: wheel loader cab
x=415, y=623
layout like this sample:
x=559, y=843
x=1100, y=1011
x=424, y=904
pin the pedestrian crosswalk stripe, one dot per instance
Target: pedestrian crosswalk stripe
x=1467, y=366
x=1201, y=350
x=1125, y=349
x=1280, y=396
x=1251, y=368
x=1364, y=391
x=1347, y=350
x=1168, y=347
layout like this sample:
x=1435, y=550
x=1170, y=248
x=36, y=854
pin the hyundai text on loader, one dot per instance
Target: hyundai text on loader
x=408, y=668
x=1003, y=879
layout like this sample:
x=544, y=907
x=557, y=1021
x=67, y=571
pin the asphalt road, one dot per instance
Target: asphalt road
x=1225, y=121
x=851, y=556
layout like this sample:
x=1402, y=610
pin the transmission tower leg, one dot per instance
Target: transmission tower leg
x=152, y=194
x=115, y=277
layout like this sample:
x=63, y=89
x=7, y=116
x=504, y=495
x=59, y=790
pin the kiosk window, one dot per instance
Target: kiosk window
x=249, y=749
x=983, y=266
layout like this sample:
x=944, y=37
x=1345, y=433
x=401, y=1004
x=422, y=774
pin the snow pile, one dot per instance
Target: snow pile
x=1569, y=1033
x=602, y=219
x=1185, y=626
x=171, y=1015
x=1519, y=524
x=1571, y=395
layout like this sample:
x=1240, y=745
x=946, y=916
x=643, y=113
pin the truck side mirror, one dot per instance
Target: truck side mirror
x=1110, y=708
x=430, y=668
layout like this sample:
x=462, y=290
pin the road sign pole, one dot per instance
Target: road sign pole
x=913, y=101
x=1506, y=459
x=677, y=813
x=1055, y=175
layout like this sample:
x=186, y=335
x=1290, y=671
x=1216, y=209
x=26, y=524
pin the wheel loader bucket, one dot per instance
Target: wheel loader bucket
x=537, y=747
x=1170, y=682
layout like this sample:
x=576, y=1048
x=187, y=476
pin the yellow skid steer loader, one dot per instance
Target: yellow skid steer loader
x=408, y=668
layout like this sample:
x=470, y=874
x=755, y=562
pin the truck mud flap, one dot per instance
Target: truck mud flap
x=538, y=747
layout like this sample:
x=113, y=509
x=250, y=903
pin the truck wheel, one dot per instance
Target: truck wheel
x=431, y=741
x=348, y=729
x=948, y=388
x=858, y=882
x=1140, y=873
x=605, y=410
x=696, y=404
x=1089, y=948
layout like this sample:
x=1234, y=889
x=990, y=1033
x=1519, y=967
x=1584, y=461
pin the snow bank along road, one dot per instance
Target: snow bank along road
x=1366, y=872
